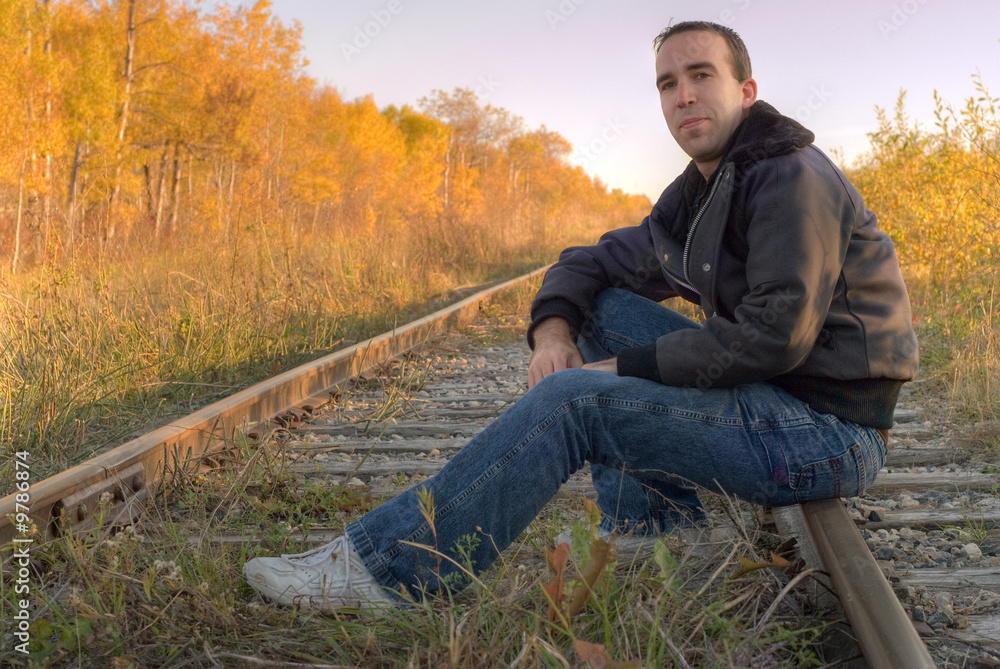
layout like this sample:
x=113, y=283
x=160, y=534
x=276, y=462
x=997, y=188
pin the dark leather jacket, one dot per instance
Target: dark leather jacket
x=798, y=286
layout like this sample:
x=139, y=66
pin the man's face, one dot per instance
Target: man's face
x=701, y=98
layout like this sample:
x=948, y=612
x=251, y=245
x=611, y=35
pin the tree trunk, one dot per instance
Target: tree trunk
x=160, y=194
x=277, y=174
x=16, y=258
x=147, y=177
x=175, y=203
x=71, y=236
x=45, y=223
x=221, y=221
x=123, y=123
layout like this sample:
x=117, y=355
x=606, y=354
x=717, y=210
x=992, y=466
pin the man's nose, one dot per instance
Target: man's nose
x=685, y=93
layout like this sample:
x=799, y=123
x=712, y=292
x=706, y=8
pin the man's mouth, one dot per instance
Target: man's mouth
x=689, y=123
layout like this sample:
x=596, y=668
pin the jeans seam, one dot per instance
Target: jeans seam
x=659, y=409
x=503, y=462
x=563, y=408
x=366, y=551
x=621, y=339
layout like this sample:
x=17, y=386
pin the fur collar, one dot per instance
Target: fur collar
x=764, y=133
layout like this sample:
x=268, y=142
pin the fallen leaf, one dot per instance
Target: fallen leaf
x=596, y=656
x=600, y=555
x=748, y=565
x=556, y=588
x=778, y=561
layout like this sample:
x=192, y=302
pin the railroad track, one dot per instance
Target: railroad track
x=919, y=545
x=385, y=443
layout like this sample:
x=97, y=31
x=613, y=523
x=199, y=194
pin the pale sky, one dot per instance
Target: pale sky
x=584, y=68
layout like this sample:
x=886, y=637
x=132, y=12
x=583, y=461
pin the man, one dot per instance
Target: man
x=784, y=394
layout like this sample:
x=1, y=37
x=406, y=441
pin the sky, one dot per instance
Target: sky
x=585, y=68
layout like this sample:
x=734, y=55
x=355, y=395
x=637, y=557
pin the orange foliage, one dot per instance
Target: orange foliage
x=141, y=124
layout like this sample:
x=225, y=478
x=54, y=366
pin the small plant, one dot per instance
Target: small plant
x=976, y=530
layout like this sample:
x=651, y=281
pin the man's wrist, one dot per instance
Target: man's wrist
x=554, y=308
x=552, y=330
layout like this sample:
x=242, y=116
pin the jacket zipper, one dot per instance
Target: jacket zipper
x=694, y=224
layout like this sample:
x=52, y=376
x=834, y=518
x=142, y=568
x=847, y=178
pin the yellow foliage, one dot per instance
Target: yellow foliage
x=937, y=194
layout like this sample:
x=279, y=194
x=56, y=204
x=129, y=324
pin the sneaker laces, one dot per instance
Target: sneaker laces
x=315, y=556
x=341, y=552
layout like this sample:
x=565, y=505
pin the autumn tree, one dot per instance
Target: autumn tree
x=138, y=124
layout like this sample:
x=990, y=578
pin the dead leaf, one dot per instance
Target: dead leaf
x=596, y=656
x=748, y=565
x=600, y=554
x=556, y=588
x=778, y=561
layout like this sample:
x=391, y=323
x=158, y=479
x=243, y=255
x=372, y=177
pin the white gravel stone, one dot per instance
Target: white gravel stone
x=972, y=551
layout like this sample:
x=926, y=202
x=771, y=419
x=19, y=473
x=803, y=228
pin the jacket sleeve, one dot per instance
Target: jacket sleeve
x=799, y=219
x=623, y=258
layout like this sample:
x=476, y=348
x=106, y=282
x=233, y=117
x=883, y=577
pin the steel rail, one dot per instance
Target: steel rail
x=118, y=480
x=885, y=633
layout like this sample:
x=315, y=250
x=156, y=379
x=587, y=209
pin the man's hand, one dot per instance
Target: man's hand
x=610, y=365
x=555, y=350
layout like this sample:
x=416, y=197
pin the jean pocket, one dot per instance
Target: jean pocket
x=846, y=475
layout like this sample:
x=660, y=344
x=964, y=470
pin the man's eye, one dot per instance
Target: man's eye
x=667, y=84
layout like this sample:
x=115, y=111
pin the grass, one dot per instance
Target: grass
x=94, y=352
x=167, y=589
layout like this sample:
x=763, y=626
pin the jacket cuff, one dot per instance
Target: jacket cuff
x=639, y=361
x=563, y=309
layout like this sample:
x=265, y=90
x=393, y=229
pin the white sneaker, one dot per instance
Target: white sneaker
x=628, y=546
x=329, y=577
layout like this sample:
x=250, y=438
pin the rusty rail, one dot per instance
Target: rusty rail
x=881, y=626
x=128, y=473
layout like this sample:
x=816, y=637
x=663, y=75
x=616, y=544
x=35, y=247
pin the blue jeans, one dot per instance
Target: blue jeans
x=648, y=444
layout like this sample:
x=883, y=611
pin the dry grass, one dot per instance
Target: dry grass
x=167, y=590
x=95, y=351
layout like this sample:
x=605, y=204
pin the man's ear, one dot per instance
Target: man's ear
x=749, y=91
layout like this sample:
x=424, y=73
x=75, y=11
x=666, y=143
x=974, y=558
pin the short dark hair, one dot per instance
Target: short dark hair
x=737, y=49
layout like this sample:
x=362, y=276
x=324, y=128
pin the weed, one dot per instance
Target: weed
x=973, y=528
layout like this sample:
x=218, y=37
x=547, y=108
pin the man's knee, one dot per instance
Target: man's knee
x=566, y=387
